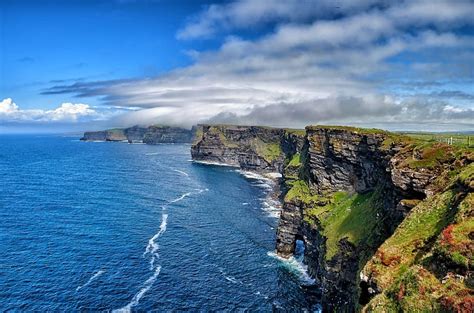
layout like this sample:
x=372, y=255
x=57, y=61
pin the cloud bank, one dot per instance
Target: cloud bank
x=402, y=63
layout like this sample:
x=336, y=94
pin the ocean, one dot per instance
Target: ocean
x=88, y=226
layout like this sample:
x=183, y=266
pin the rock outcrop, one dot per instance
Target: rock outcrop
x=105, y=135
x=359, y=200
x=165, y=134
x=249, y=147
x=137, y=134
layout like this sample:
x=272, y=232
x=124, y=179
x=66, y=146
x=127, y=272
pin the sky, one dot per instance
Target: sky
x=88, y=65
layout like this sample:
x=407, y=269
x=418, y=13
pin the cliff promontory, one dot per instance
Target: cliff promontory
x=387, y=221
x=150, y=135
x=249, y=147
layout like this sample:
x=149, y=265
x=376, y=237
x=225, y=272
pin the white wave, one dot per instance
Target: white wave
x=275, y=175
x=231, y=279
x=253, y=175
x=136, y=299
x=264, y=186
x=213, y=163
x=97, y=274
x=296, y=266
x=201, y=190
x=270, y=177
x=269, y=205
x=272, y=207
x=154, y=153
x=153, y=247
x=181, y=172
x=181, y=197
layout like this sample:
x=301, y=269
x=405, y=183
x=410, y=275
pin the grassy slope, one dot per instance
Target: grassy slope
x=413, y=266
x=462, y=140
x=340, y=215
x=402, y=261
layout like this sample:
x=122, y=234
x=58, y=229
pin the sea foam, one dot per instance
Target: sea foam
x=152, y=250
x=296, y=266
x=96, y=274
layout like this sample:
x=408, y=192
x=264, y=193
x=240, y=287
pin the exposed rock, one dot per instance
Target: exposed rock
x=249, y=147
x=105, y=135
x=166, y=134
x=346, y=191
x=137, y=134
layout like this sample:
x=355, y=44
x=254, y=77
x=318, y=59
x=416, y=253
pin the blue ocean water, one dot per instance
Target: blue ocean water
x=113, y=226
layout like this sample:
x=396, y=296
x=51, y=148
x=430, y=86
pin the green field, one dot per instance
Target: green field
x=456, y=139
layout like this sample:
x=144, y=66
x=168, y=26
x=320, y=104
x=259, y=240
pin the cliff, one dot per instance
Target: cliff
x=115, y=134
x=249, y=147
x=385, y=219
x=164, y=134
x=136, y=134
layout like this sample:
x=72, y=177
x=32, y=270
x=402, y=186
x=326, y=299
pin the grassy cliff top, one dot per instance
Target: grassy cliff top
x=358, y=130
x=234, y=126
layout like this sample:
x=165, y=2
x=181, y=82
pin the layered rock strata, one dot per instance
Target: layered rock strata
x=355, y=198
x=137, y=134
x=249, y=147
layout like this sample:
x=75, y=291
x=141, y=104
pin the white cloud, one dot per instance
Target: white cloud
x=7, y=106
x=321, y=62
x=67, y=112
x=249, y=13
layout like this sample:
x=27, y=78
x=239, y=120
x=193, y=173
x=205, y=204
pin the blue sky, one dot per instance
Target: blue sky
x=45, y=42
x=76, y=65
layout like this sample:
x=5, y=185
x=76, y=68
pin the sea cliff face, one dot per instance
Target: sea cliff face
x=137, y=134
x=249, y=147
x=381, y=215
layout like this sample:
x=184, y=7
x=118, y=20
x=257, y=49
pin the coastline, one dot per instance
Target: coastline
x=272, y=204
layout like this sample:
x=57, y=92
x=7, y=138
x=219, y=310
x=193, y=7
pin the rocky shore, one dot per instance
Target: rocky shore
x=385, y=219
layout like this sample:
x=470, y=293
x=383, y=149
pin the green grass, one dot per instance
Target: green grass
x=425, y=221
x=295, y=160
x=349, y=128
x=454, y=243
x=462, y=140
x=300, y=192
x=217, y=131
x=467, y=175
x=339, y=214
x=269, y=151
x=298, y=132
x=435, y=232
x=381, y=303
x=350, y=216
x=432, y=155
x=414, y=290
x=198, y=135
x=227, y=142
